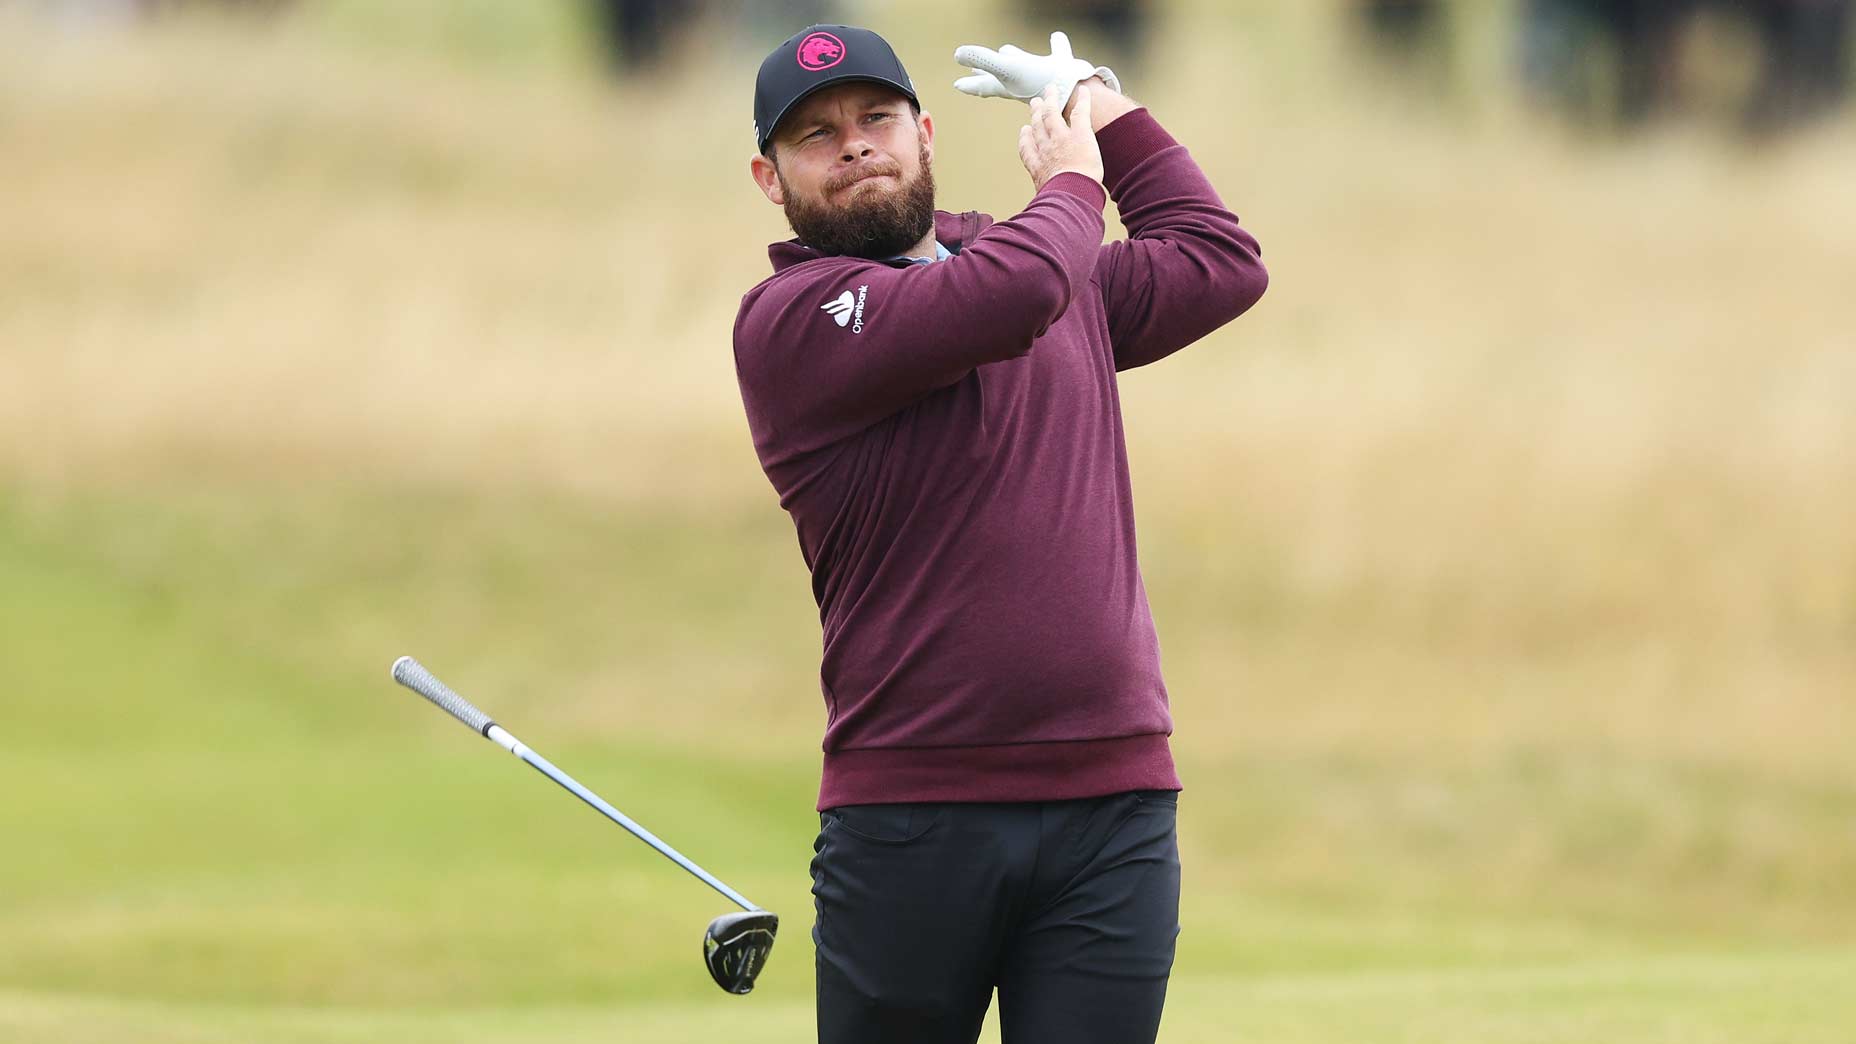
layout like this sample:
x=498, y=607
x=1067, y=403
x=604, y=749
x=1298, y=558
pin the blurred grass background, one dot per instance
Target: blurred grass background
x=1504, y=558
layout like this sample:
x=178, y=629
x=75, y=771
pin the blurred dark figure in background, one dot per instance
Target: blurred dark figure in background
x=635, y=34
x=1806, y=60
x=1560, y=36
x=639, y=35
x=1119, y=30
x=1401, y=25
x=1408, y=37
x=1804, y=54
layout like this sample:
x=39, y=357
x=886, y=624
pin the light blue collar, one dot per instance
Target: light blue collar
x=941, y=253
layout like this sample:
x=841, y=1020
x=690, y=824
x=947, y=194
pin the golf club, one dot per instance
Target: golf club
x=735, y=945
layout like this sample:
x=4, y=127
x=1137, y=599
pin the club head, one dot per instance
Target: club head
x=736, y=946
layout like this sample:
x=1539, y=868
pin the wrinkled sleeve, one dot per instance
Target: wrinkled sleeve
x=1187, y=267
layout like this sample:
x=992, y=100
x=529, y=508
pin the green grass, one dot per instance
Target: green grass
x=1757, y=998
x=230, y=825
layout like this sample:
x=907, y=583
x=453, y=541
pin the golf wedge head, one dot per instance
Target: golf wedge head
x=736, y=947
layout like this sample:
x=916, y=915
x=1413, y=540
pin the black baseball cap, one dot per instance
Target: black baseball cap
x=819, y=56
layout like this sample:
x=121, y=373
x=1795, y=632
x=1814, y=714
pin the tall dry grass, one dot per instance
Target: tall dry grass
x=1536, y=439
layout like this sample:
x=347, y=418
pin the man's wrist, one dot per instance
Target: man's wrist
x=1105, y=103
x=1080, y=184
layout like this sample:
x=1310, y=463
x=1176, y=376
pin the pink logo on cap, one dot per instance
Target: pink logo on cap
x=820, y=51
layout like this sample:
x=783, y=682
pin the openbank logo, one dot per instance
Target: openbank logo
x=848, y=310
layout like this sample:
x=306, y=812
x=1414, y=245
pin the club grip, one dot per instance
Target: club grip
x=412, y=674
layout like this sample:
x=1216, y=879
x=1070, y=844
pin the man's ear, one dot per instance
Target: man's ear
x=767, y=177
x=926, y=121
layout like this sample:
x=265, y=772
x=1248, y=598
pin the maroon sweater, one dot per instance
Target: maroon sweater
x=947, y=438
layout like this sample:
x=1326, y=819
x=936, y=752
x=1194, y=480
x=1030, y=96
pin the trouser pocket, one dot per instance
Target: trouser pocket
x=890, y=824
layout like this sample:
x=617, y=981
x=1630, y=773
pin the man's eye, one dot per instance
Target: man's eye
x=877, y=116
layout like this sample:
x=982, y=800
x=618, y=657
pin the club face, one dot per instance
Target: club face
x=736, y=947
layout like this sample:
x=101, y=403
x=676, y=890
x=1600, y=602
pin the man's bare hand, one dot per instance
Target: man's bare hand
x=1050, y=145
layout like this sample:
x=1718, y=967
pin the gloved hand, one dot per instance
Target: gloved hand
x=1012, y=73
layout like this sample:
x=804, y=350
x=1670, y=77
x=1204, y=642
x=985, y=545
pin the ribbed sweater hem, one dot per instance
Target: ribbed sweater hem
x=1007, y=772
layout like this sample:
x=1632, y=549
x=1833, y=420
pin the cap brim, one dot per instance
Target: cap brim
x=901, y=88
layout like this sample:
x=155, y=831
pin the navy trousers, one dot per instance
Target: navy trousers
x=1070, y=909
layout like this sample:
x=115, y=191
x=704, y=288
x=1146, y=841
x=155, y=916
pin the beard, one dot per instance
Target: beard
x=873, y=225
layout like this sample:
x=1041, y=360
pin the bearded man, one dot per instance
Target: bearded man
x=933, y=396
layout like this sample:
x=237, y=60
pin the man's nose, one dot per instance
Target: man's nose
x=856, y=148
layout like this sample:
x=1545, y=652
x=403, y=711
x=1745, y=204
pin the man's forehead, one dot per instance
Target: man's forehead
x=855, y=94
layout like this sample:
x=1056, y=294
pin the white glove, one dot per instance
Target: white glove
x=1011, y=73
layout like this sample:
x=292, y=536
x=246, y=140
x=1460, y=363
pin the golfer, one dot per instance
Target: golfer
x=933, y=396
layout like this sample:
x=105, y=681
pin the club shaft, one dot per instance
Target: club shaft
x=412, y=674
x=501, y=737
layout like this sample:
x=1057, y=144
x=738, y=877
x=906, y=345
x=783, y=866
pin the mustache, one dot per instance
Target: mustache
x=874, y=225
x=852, y=177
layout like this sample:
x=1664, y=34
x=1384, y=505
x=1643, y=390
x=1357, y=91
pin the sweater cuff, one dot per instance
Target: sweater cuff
x=1131, y=138
x=1082, y=186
